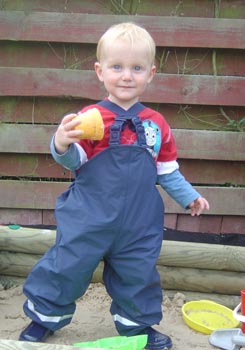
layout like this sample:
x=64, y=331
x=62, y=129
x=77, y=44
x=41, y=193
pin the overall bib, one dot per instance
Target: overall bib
x=112, y=212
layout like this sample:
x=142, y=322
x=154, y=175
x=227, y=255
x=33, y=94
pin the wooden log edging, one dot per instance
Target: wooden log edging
x=185, y=266
x=178, y=278
x=202, y=255
x=26, y=240
x=173, y=253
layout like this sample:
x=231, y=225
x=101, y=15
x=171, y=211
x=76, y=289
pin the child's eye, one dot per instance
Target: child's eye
x=117, y=67
x=137, y=68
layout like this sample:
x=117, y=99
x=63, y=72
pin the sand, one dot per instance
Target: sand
x=92, y=320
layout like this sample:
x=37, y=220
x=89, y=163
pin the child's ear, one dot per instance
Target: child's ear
x=98, y=70
x=152, y=73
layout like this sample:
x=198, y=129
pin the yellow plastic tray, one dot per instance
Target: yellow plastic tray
x=206, y=316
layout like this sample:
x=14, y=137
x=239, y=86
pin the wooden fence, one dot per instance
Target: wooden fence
x=46, y=60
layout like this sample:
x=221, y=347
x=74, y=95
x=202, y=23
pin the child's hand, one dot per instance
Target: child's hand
x=198, y=205
x=65, y=134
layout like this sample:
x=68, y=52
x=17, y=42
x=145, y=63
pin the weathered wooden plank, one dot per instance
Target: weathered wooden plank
x=43, y=194
x=30, y=194
x=223, y=200
x=33, y=138
x=196, y=171
x=196, y=89
x=33, y=165
x=82, y=57
x=54, y=55
x=26, y=216
x=77, y=6
x=216, y=224
x=191, y=8
x=50, y=110
x=226, y=145
x=213, y=171
x=229, y=224
x=195, y=8
x=38, y=110
x=87, y=28
x=23, y=345
x=165, y=88
x=235, y=9
x=50, y=82
x=191, y=144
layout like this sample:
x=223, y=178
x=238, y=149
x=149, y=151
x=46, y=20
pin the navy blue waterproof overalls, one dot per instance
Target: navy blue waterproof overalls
x=112, y=212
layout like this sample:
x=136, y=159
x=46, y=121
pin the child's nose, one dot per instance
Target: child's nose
x=127, y=74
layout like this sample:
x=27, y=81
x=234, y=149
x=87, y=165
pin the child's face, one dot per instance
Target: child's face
x=125, y=71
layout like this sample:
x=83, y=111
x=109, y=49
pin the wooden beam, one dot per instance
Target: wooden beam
x=41, y=166
x=201, y=280
x=165, y=88
x=35, y=165
x=202, y=256
x=50, y=110
x=196, y=90
x=6, y=344
x=43, y=194
x=194, y=280
x=215, y=172
x=87, y=28
x=179, y=254
x=30, y=194
x=191, y=144
x=182, y=278
x=205, y=144
x=35, y=138
x=223, y=200
x=17, y=264
x=26, y=240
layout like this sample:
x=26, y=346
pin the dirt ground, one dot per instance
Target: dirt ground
x=92, y=320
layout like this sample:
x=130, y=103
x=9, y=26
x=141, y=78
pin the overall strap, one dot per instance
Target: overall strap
x=121, y=119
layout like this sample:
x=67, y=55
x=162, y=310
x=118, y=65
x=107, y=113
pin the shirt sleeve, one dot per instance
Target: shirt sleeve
x=72, y=159
x=167, y=167
x=178, y=188
x=168, y=151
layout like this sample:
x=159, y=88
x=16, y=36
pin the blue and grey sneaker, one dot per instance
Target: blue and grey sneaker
x=35, y=332
x=157, y=340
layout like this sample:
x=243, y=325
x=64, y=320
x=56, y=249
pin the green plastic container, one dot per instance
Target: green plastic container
x=137, y=342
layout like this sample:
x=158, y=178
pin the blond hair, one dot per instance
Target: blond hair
x=130, y=31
